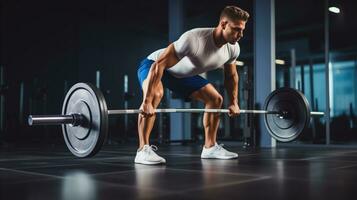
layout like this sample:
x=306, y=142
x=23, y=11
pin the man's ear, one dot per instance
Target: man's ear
x=223, y=24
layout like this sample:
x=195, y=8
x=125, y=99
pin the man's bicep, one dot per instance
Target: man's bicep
x=173, y=58
x=169, y=57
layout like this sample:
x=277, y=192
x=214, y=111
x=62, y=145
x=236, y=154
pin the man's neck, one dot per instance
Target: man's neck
x=218, y=38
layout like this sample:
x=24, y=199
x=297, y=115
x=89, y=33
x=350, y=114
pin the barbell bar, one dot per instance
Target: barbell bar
x=203, y=110
x=84, y=117
x=181, y=110
x=75, y=119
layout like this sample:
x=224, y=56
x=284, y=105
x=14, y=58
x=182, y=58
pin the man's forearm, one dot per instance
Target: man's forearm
x=231, y=85
x=154, y=79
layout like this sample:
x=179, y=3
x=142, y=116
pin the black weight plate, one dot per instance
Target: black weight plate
x=86, y=139
x=289, y=127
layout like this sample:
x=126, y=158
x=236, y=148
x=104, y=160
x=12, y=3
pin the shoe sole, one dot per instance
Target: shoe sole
x=149, y=163
x=222, y=158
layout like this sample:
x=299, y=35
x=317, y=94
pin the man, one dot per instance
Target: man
x=178, y=66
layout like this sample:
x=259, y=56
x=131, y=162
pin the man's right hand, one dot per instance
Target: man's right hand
x=147, y=110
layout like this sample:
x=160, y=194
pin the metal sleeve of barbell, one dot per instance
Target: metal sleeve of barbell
x=50, y=119
x=317, y=113
x=178, y=110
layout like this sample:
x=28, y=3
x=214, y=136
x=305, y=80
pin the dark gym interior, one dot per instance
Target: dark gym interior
x=49, y=46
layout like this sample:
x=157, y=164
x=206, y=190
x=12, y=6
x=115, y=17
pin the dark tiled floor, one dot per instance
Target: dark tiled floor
x=282, y=173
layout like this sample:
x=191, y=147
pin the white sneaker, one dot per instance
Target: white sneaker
x=217, y=152
x=147, y=156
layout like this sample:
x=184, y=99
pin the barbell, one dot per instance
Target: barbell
x=84, y=117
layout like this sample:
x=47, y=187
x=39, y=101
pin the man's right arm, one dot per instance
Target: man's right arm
x=166, y=60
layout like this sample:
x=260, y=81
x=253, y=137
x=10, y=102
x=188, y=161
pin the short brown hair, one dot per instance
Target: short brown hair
x=234, y=13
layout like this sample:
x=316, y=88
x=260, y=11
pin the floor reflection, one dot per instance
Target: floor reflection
x=216, y=165
x=148, y=177
x=78, y=185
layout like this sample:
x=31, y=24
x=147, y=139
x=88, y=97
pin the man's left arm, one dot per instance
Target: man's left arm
x=231, y=79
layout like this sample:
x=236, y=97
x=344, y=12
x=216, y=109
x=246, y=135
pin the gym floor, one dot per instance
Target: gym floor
x=281, y=173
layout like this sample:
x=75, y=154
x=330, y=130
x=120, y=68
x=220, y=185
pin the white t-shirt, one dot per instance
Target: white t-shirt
x=198, y=53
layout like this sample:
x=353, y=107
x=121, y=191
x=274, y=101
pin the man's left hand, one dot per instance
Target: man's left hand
x=233, y=110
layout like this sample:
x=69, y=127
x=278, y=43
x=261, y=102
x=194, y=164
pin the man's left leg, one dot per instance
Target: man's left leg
x=212, y=100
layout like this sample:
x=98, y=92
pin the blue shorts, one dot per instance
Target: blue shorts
x=182, y=87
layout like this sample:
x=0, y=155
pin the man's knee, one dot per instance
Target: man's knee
x=216, y=101
x=159, y=94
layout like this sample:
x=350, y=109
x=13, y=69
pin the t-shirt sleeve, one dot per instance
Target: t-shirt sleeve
x=235, y=51
x=186, y=45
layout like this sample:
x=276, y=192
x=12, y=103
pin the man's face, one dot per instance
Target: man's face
x=233, y=30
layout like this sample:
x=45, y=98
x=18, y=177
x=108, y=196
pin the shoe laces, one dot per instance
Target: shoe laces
x=153, y=147
x=151, y=150
x=220, y=146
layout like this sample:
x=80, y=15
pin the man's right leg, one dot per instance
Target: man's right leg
x=145, y=124
x=145, y=154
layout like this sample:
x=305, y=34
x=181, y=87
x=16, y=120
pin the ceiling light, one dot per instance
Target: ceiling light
x=334, y=9
x=279, y=62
